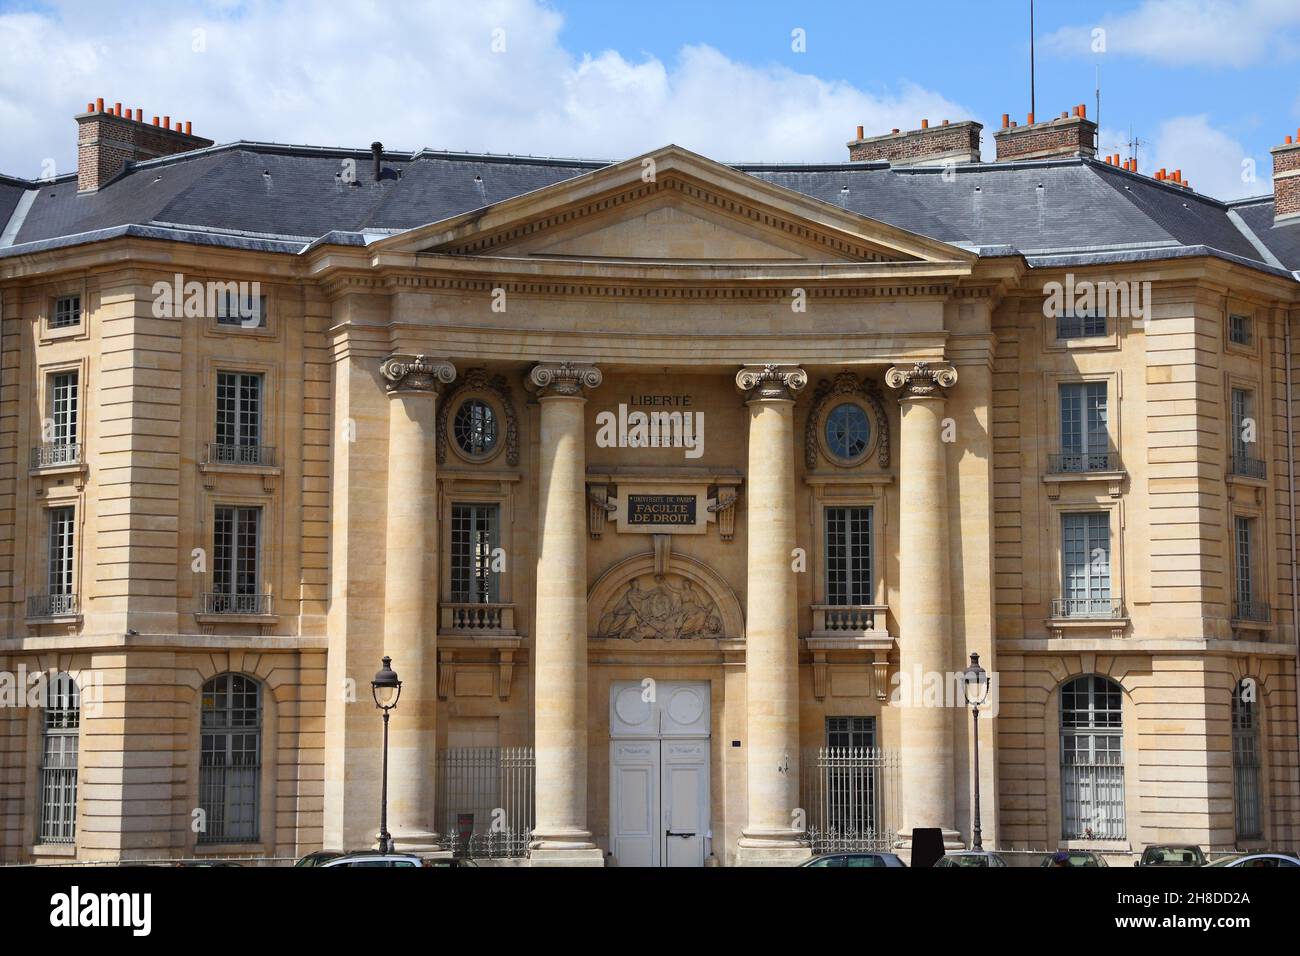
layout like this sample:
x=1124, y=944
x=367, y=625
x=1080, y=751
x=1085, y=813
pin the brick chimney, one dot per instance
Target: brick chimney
x=1286, y=181
x=1070, y=134
x=927, y=146
x=108, y=138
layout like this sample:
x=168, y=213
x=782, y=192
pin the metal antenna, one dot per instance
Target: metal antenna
x=1031, y=59
x=1097, y=118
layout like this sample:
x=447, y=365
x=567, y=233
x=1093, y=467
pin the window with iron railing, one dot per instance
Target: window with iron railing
x=1247, y=603
x=61, y=554
x=475, y=576
x=59, y=444
x=1246, y=460
x=1085, y=441
x=230, y=759
x=236, y=560
x=1085, y=566
x=1245, y=761
x=238, y=430
x=62, y=729
x=1092, y=760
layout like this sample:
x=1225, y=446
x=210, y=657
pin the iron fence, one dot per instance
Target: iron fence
x=851, y=798
x=485, y=800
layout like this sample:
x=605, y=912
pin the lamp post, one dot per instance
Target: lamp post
x=386, y=689
x=976, y=688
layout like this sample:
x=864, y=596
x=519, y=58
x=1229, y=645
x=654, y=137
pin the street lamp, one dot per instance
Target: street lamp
x=386, y=689
x=976, y=688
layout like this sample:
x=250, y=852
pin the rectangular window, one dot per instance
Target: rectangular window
x=62, y=549
x=239, y=310
x=59, y=761
x=63, y=408
x=236, y=553
x=1085, y=563
x=1245, y=561
x=849, y=811
x=848, y=556
x=1239, y=329
x=1081, y=325
x=1085, y=442
x=67, y=312
x=1246, y=457
x=474, y=536
x=239, y=418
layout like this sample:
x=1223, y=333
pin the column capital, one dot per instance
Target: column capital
x=771, y=382
x=922, y=380
x=416, y=373
x=568, y=379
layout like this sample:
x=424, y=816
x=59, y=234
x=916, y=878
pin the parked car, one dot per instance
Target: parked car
x=1258, y=859
x=855, y=859
x=319, y=858
x=971, y=858
x=1075, y=858
x=1171, y=854
x=375, y=858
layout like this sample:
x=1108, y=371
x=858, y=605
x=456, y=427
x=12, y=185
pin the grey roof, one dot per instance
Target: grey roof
x=263, y=195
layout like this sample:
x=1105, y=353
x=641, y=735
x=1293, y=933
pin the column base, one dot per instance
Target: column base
x=951, y=840
x=772, y=848
x=560, y=856
x=420, y=842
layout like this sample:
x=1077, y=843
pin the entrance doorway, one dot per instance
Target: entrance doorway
x=659, y=773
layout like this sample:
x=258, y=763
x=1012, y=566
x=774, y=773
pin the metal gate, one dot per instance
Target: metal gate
x=851, y=798
x=485, y=800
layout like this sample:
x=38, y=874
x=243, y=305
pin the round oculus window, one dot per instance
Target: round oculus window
x=848, y=431
x=475, y=428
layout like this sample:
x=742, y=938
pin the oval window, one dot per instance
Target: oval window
x=475, y=428
x=848, y=431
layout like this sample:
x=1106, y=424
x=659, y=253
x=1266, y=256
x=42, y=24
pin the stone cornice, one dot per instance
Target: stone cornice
x=416, y=373
x=771, y=382
x=922, y=380
x=566, y=379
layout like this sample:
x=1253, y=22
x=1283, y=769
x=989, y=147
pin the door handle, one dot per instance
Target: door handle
x=677, y=834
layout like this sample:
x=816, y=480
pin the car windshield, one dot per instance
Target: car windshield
x=1171, y=856
x=968, y=859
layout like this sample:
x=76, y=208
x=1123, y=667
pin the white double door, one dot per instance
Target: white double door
x=659, y=773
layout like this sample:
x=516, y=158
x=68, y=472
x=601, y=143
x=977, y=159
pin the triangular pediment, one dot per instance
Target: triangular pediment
x=670, y=205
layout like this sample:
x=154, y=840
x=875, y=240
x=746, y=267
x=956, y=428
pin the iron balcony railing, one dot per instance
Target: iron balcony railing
x=1254, y=611
x=851, y=798
x=1088, y=608
x=485, y=800
x=51, y=605
x=1246, y=465
x=51, y=454
x=1077, y=462
x=216, y=602
x=220, y=453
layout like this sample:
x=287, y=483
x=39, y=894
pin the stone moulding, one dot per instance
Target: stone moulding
x=563, y=378
x=416, y=373
x=477, y=380
x=922, y=380
x=845, y=384
x=771, y=382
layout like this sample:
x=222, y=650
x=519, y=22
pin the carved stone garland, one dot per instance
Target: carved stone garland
x=845, y=383
x=477, y=380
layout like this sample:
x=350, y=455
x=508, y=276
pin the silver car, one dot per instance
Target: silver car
x=1266, y=860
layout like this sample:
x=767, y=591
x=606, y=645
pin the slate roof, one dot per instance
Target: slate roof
x=291, y=197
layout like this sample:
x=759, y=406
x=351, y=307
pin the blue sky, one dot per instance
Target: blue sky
x=1206, y=84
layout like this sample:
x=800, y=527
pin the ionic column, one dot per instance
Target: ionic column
x=925, y=638
x=411, y=594
x=561, y=836
x=771, y=636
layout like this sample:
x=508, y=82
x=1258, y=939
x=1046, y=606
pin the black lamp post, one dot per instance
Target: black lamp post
x=976, y=688
x=385, y=688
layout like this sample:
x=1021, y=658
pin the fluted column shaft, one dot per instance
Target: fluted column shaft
x=771, y=638
x=410, y=594
x=925, y=638
x=561, y=834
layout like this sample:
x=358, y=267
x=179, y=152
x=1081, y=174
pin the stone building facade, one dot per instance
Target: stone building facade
x=664, y=479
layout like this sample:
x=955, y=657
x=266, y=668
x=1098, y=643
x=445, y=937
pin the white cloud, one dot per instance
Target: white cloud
x=1219, y=33
x=414, y=75
x=1211, y=160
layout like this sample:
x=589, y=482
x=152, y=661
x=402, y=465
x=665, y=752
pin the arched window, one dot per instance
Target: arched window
x=59, y=760
x=1245, y=759
x=230, y=759
x=1092, y=760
